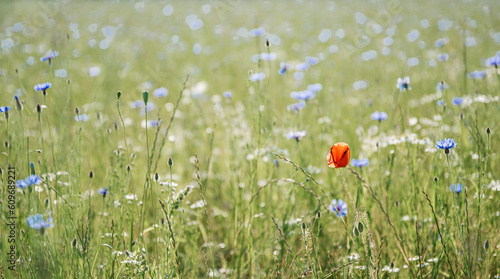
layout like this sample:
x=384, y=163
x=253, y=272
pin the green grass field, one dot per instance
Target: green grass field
x=225, y=174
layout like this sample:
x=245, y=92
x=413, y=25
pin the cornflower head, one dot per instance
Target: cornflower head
x=339, y=207
x=28, y=181
x=446, y=144
x=457, y=188
x=49, y=56
x=296, y=135
x=441, y=86
x=493, y=61
x=36, y=222
x=6, y=111
x=103, y=192
x=458, y=101
x=379, y=116
x=477, y=74
x=43, y=87
x=296, y=107
x=359, y=163
x=403, y=84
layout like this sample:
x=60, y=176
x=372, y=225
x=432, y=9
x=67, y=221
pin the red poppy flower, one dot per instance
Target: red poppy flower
x=339, y=155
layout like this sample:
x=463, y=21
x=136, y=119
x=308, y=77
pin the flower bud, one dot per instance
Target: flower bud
x=486, y=244
x=488, y=130
x=145, y=96
x=118, y=95
x=91, y=174
x=170, y=162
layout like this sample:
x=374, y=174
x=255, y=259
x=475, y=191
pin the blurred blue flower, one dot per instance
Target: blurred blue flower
x=283, y=68
x=440, y=102
x=137, y=104
x=477, y=74
x=443, y=57
x=359, y=163
x=4, y=109
x=296, y=135
x=446, y=144
x=456, y=188
x=312, y=60
x=42, y=86
x=301, y=66
x=149, y=107
x=403, y=84
x=257, y=32
x=315, y=87
x=441, y=85
x=28, y=181
x=303, y=95
x=103, y=192
x=493, y=61
x=296, y=107
x=36, y=222
x=268, y=56
x=81, y=117
x=441, y=42
x=379, y=116
x=257, y=76
x=160, y=92
x=227, y=94
x=49, y=56
x=339, y=207
x=458, y=101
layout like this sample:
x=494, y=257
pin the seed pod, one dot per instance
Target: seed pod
x=361, y=227
x=355, y=232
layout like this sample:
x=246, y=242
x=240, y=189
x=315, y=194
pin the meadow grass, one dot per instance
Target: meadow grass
x=221, y=177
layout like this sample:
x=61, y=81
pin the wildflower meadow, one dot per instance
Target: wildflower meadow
x=250, y=139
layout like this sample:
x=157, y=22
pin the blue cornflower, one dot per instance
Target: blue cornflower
x=137, y=104
x=303, y=95
x=227, y=94
x=315, y=87
x=493, y=61
x=441, y=42
x=477, y=74
x=312, y=60
x=4, y=109
x=443, y=57
x=458, y=101
x=456, y=188
x=28, y=181
x=19, y=105
x=49, y=56
x=339, y=207
x=296, y=107
x=441, y=85
x=160, y=92
x=257, y=32
x=379, y=116
x=103, y=192
x=268, y=56
x=359, y=163
x=36, y=222
x=257, y=76
x=43, y=87
x=296, y=135
x=446, y=144
x=440, y=102
x=283, y=68
x=302, y=66
x=81, y=117
x=403, y=84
